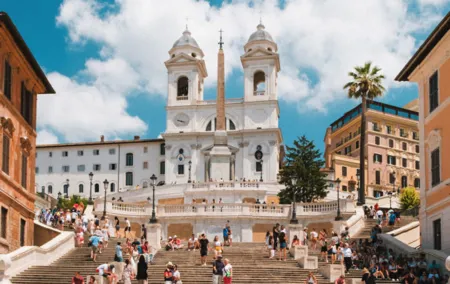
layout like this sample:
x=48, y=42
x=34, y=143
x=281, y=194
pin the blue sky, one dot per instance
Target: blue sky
x=110, y=79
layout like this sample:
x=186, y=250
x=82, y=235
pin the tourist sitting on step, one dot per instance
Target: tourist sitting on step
x=177, y=243
x=311, y=279
x=295, y=241
x=107, y=271
x=169, y=244
x=218, y=247
x=193, y=243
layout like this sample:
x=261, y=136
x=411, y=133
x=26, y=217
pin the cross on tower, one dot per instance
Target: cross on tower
x=187, y=20
x=260, y=17
x=220, y=42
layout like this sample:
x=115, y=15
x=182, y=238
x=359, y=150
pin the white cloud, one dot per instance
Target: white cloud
x=433, y=2
x=328, y=37
x=46, y=137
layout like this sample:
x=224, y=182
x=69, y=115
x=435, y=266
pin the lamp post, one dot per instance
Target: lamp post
x=390, y=200
x=393, y=181
x=261, y=179
x=66, y=194
x=338, y=216
x=59, y=195
x=357, y=178
x=105, y=184
x=153, y=219
x=189, y=179
x=294, y=210
x=91, y=176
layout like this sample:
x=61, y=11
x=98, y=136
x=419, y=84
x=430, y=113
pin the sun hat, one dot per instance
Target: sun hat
x=174, y=236
x=169, y=264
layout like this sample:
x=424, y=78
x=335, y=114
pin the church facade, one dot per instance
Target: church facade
x=205, y=141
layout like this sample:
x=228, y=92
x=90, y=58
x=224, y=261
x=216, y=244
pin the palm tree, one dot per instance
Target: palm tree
x=366, y=85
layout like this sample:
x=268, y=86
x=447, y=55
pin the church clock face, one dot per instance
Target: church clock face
x=181, y=120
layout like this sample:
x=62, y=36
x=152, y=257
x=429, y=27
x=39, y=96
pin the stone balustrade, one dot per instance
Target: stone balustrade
x=225, y=209
x=229, y=185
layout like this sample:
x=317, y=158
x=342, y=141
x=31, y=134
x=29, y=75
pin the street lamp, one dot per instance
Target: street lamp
x=393, y=181
x=153, y=219
x=59, y=195
x=338, y=216
x=91, y=176
x=261, y=179
x=66, y=194
x=357, y=178
x=190, y=164
x=294, y=210
x=105, y=183
x=390, y=200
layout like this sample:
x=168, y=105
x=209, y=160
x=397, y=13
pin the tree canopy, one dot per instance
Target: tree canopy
x=367, y=82
x=409, y=198
x=302, y=164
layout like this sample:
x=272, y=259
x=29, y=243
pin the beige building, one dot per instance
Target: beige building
x=430, y=69
x=392, y=149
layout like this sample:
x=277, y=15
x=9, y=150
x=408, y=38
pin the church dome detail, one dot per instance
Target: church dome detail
x=260, y=34
x=186, y=39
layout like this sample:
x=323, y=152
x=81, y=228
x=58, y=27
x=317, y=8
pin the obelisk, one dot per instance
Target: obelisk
x=220, y=153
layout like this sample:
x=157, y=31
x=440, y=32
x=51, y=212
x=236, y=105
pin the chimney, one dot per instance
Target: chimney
x=102, y=138
x=136, y=137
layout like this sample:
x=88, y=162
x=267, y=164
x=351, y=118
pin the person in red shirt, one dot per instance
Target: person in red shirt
x=77, y=279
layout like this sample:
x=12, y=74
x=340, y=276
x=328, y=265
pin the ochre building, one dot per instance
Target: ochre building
x=21, y=80
x=430, y=69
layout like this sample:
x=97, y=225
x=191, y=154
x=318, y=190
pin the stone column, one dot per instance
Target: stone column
x=233, y=165
x=247, y=232
x=5, y=264
x=207, y=157
x=154, y=235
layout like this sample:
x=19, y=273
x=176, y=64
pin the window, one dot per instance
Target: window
x=97, y=188
x=26, y=104
x=23, y=225
x=232, y=125
x=404, y=146
x=357, y=145
x=344, y=171
x=404, y=163
x=415, y=135
x=145, y=184
x=437, y=234
x=112, y=187
x=162, y=149
x=258, y=166
x=259, y=83
x=181, y=169
x=66, y=169
x=376, y=127
x=112, y=167
x=162, y=168
x=391, y=178
x=434, y=91
x=96, y=152
x=435, y=167
x=36, y=170
x=392, y=160
x=209, y=126
x=4, y=223
x=348, y=150
x=391, y=143
x=344, y=188
x=50, y=189
x=404, y=181
x=145, y=165
x=80, y=188
x=389, y=129
x=417, y=165
x=182, y=88
x=7, y=80
x=377, y=158
x=81, y=168
x=50, y=154
x=66, y=190
x=145, y=149
x=417, y=149
x=377, y=177
x=377, y=140
x=403, y=133
x=24, y=170
x=50, y=169
x=97, y=167
x=112, y=151
x=80, y=152
x=417, y=182
x=65, y=154
x=129, y=178
x=129, y=159
x=5, y=153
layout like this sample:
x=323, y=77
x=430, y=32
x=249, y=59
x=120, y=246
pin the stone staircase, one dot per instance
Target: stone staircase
x=250, y=265
x=249, y=260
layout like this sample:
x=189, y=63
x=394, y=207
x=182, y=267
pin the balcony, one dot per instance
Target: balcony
x=182, y=98
x=404, y=135
x=376, y=128
x=259, y=93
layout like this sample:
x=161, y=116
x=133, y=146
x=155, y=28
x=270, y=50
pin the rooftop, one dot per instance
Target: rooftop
x=7, y=22
x=376, y=106
x=95, y=143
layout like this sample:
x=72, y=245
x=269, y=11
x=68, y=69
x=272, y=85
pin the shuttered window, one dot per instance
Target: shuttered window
x=377, y=177
x=435, y=167
x=7, y=80
x=434, y=91
x=24, y=170
x=26, y=104
x=5, y=155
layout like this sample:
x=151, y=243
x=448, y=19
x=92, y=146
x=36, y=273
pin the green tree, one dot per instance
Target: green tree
x=409, y=198
x=302, y=163
x=68, y=203
x=366, y=85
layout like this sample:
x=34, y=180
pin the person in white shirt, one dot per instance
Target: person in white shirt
x=107, y=271
x=314, y=235
x=128, y=227
x=347, y=252
x=227, y=272
x=193, y=243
